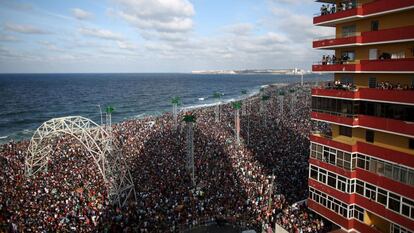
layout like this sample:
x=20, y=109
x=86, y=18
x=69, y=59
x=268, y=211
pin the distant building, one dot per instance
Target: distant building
x=361, y=176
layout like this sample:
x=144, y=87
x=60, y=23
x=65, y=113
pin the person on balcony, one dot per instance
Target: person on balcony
x=323, y=10
x=333, y=9
x=329, y=60
x=334, y=59
x=323, y=60
x=350, y=5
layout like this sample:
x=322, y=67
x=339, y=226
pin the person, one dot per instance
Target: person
x=323, y=9
x=323, y=60
x=328, y=60
x=333, y=59
x=333, y=9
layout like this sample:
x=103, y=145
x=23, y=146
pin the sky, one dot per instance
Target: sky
x=139, y=36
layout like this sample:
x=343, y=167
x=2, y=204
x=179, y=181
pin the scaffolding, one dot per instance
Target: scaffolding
x=106, y=153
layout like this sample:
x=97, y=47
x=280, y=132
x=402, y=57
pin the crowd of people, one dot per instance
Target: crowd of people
x=338, y=85
x=390, y=86
x=334, y=8
x=333, y=60
x=252, y=185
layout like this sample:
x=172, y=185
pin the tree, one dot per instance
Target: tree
x=175, y=102
x=190, y=119
x=217, y=96
x=237, y=106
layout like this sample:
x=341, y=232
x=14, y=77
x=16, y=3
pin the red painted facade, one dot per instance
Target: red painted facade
x=393, y=34
x=370, y=122
x=389, y=65
x=338, y=219
x=396, y=96
x=367, y=149
x=366, y=9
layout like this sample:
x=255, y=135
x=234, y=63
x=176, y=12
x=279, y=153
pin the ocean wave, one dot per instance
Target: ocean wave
x=3, y=137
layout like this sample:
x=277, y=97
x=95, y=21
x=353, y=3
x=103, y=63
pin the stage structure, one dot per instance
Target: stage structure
x=96, y=140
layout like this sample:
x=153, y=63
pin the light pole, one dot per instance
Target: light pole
x=190, y=120
x=217, y=96
x=237, y=106
x=100, y=110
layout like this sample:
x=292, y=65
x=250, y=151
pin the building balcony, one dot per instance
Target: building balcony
x=367, y=204
x=403, y=65
x=370, y=149
x=375, y=94
x=363, y=11
x=391, y=126
x=401, y=34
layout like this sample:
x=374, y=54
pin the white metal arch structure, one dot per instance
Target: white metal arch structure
x=100, y=146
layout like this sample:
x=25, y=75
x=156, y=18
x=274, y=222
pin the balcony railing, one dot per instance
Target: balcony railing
x=393, y=34
x=361, y=11
x=395, y=96
x=364, y=121
x=405, y=65
x=370, y=149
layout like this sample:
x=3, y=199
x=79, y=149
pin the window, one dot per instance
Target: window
x=347, y=161
x=342, y=184
x=388, y=170
x=348, y=31
x=314, y=173
x=394, y=202
x=358, y=213
x=411, y=143
x=372, y=82
x=331, y=179
x=370, y=192
x=369, y=136
x=348, y=55
x=374, y=25
x=382, y=196
x=360, y=187
x=408, y=208
x=322, y=176
x=345, y=131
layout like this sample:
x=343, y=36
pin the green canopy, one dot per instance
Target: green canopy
x=189, y=118
x=109, y=109
x=237, y=105
x=265, y=97
x=175, y=100
x=217, y=95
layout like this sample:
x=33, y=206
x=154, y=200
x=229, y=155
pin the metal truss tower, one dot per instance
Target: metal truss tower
x=100, y=145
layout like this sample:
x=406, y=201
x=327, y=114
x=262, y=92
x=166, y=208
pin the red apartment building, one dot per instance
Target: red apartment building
x=361, y=174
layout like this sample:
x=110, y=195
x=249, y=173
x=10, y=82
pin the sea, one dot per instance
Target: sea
x=28, y=100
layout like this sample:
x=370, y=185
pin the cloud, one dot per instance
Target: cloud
x=25, y=29
x=298, y=27
x=157, y=18
x=8, y=38
x=100, y=33
x=126, y=45
x=81, y=14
